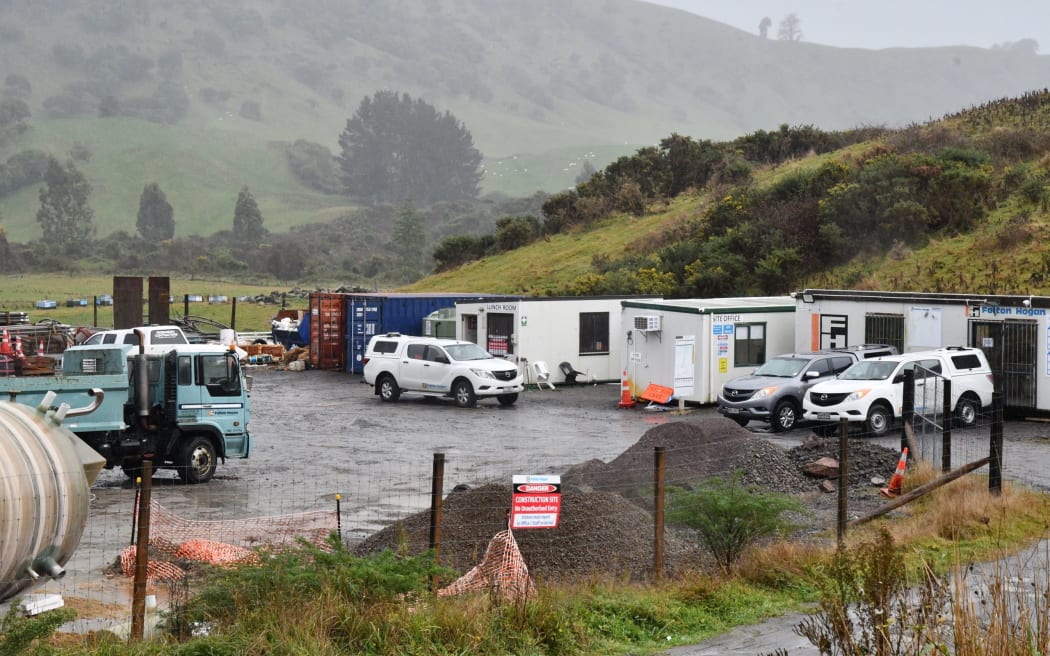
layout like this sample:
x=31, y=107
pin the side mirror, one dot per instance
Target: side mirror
x=812, y=374
x=899, y=378
x=248, y=382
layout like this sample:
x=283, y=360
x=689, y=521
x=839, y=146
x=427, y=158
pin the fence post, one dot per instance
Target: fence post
x=233, y=314
x=843, y=479
x=437, y=484
x=138, y=597
x=995, y=464
x=94, y=311
x=907, y=406
x=946, y=429
x=660, y=467
x=185, y=305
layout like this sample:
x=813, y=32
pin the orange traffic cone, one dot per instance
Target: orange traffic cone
x=5, y=344
x=18, y=347
x=40, y=346
x=626, y=401
x=897, y=480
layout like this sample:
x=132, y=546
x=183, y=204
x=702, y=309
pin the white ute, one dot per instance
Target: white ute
x=872, y=391
x=396, y=364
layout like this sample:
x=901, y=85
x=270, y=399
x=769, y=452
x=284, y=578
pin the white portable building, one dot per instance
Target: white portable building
x=1012, y=330
x=694, y=346
x=583, y=331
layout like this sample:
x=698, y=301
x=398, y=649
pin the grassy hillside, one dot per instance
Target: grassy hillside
x=990, y=162
x=539, y=87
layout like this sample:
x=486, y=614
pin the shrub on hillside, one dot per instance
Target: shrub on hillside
x=250, y=110
x=314, y=165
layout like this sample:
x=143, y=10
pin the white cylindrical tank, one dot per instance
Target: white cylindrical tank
x=45, y=476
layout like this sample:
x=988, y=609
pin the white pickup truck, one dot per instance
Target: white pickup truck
x=396, y=363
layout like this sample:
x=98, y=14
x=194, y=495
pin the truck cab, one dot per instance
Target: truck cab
x=185, y=409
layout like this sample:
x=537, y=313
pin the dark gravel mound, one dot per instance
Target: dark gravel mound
x=605, y=526
x=598, y=533
x=694, y=450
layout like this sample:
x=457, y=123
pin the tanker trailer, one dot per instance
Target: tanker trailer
x=45, y=477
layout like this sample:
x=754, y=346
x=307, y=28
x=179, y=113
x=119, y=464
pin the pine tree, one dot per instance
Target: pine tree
x=156, y=219
x=395, y=148
x=65, y=218
x=247, y=219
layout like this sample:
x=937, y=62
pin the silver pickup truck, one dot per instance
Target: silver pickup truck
x=774, y=392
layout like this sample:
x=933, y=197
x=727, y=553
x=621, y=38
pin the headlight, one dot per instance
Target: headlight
x=482, y=373
x=858, y=395
x=763, y=393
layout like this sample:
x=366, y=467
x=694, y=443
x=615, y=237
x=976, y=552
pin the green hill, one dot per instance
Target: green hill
x=955, y=205
x=202, y=95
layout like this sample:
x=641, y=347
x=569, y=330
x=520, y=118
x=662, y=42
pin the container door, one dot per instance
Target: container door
x=327, y=331
x=364, y=319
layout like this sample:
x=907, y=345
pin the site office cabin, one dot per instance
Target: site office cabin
x=585, y=331
x=1012, y=330
x=694, y=346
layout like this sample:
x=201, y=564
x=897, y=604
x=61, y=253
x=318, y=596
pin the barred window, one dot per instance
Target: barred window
x=594, y=333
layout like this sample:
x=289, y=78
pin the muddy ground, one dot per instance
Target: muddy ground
x=319, y=434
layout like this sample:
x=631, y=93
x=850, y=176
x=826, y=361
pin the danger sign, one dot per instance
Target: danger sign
x=537, y=501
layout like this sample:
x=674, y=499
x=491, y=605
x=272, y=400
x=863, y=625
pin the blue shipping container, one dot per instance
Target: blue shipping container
x=375, y=314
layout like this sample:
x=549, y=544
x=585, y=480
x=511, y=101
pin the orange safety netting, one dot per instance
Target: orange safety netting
x=223, y=542
x=502, y=572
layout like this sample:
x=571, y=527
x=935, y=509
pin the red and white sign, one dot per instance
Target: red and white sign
x=537, y=502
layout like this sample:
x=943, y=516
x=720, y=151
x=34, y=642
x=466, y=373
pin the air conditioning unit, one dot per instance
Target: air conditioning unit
x=647, y=322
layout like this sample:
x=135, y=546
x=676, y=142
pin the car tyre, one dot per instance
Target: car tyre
x=387, y=389
x=880, y=417
x=463, y=394
x=966, y=412
x=198, y=460
x=784, y=417
x=507, y=399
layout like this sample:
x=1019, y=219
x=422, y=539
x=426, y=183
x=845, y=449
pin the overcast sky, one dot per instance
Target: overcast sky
x=878, y=24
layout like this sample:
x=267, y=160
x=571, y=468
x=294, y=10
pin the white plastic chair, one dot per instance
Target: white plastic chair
x=543, y=376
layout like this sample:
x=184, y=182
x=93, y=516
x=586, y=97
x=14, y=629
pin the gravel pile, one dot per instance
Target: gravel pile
x=605, y=522
x=598, y=533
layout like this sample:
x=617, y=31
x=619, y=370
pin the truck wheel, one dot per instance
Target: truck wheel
x=463, y=393
x=198, y=461
x=507, y=399
x=784, y=417
x=966, y=412
x=387, y=389
x=879, y=419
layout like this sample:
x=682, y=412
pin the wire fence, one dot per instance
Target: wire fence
x=377, y=495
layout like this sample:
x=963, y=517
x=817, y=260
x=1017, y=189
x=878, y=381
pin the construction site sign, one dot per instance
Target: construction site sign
x=537, y=501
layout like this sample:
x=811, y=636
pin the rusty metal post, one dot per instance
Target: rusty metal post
x=843, y=480
x=660, y=468
x=437, y=484
x=946, y=429
x=159, y=300
x=995, y=464
x=907, y=407
x=138, y=597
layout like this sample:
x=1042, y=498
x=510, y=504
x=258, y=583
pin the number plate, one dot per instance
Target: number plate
x=732, y=411
x=824, y=416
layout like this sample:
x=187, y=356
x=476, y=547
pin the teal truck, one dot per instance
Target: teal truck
x=184, y=409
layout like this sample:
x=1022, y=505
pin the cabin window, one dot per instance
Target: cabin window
x=749, y=345
x=594, y=333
